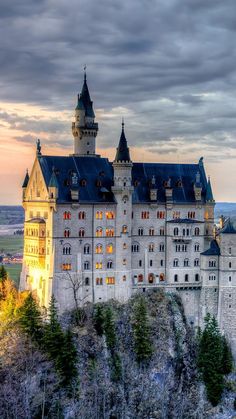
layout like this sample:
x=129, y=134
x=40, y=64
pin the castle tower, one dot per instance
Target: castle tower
x=209, y=213
x=84, y=128
x=122, y=190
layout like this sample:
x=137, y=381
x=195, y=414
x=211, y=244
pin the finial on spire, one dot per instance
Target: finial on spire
x=38, y=145
x=85, y=67
x=123, y=123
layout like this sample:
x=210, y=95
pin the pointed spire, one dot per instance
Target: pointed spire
x=209, y=194
x=122, y=151
x=53, y=183
x=38, y=147
x=26, y=180
x=85, y=98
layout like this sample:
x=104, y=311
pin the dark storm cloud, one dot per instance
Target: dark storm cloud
x=170, y=63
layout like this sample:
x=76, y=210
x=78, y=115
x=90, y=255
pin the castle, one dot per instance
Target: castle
x=98, y=230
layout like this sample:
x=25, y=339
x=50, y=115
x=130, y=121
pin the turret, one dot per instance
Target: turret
x=25, y=184
x=84, y=128
x=122, y=164
x=198, y=187
x=53, y=186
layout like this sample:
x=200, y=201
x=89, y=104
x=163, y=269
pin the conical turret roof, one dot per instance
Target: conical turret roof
x=209, y=194
x=53, y=183
x=26, y=180
x=122, y=151
x=84, y=100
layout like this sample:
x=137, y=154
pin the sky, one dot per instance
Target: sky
x=166, y=66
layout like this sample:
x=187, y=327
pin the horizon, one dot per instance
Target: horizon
x=173, y=81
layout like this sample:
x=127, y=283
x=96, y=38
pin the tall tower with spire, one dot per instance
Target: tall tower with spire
x=84, y=128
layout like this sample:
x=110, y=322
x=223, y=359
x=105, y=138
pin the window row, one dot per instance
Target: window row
x=34, y=232
x=151, y=231
x=110, y=215
x=176, y=262
x=151, y=278
x=135, y=248
x=186, y=278
x=186, y=231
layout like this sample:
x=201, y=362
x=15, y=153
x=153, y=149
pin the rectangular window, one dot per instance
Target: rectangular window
x=110, y=280
x=66, y=266
x=140, y=263
x=110, y=215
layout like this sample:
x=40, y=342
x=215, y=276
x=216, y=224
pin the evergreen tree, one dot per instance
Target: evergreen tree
x=109, y=328
x=98, y=319
x=53, y=334
x=141, y=331
x=67, y=359
x=227, y=358
x=30, y=318
x=210, y=358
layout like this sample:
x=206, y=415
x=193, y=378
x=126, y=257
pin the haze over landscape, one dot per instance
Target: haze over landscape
x=168, y=68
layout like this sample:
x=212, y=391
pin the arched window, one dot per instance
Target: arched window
x=196, y=277
x=184, y=231
x=145, y=215
x=186, y=277
x=83, y=182
x=99, y=215
x=66, y=266
x=66, y=249
x=109, y=232
x=67, y=215
x=151, y=278
x=212, y=263
x=140, y=231
x=176, y=263
x=151, y=231
x=124, y=229
x=151, y=247
x=196, y=231
x=162, y=231
x=86, y=281
x=109, y=248
x=175, y=278
x=86, y=265
x=110, y=215
x=212, y=277
x=86, y=249
x=176, y=231
x=140, y=278
x=98, y=248
x=197, y=247
x=98, y=265
x=161, y=214
x=196, y=262
x=186, y=262
x=109, y=264
x=135, y=248
x=162, y=277
x=82, y=215
x=162, y=247
x=66, y=232
x=81, y=232
x=99, y=232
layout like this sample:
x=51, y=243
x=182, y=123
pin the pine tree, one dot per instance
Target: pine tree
x=141, y=332
x=3, y=279
x=3, y=274
x=227, y=357
x=67, y=359
x=53, y=334
x=210, y=357
x=30, y=319
x=109, y=329
x=98, y=319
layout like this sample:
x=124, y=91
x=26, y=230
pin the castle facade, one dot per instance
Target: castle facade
x=97, y=230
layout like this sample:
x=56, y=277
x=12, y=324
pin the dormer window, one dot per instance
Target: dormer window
x=136, y=183
x=98, y=183
x=83, y=182
x=179, y=183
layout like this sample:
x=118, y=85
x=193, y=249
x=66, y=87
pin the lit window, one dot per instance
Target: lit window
x=140, y=278
x=110, y=280
x=98, y=265
x=81, y=215
x=66, y=266
x=66, y=232
x=110, y=215
x=99, y=215
x=161, y=214
x=151, y=278
x=176, y=215
x=109, y=248
x=67, y=215
x=145, y=215
x=151, y=247
x=98, y=248
x=162, y=277
x=109, y=232
x=191, y=214
x=99, y=232
x=124, y=229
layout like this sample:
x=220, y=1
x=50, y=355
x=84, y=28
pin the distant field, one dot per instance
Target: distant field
x=11, y=244
x=14, y=272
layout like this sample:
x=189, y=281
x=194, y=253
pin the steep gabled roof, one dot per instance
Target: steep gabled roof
x=209, y=194
x=214, y=249
x=26, y=180
x=228, y=228
x=122, y=151
x=90, y=174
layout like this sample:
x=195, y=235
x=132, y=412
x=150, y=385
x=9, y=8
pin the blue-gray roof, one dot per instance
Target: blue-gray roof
x=213, y=250
x=122, y=151
x=91, y=174
x=228, y=228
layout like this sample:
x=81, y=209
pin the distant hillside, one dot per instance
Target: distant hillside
x=10, y=214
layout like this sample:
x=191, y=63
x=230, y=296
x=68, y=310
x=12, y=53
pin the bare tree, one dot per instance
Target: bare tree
x=76, y=284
